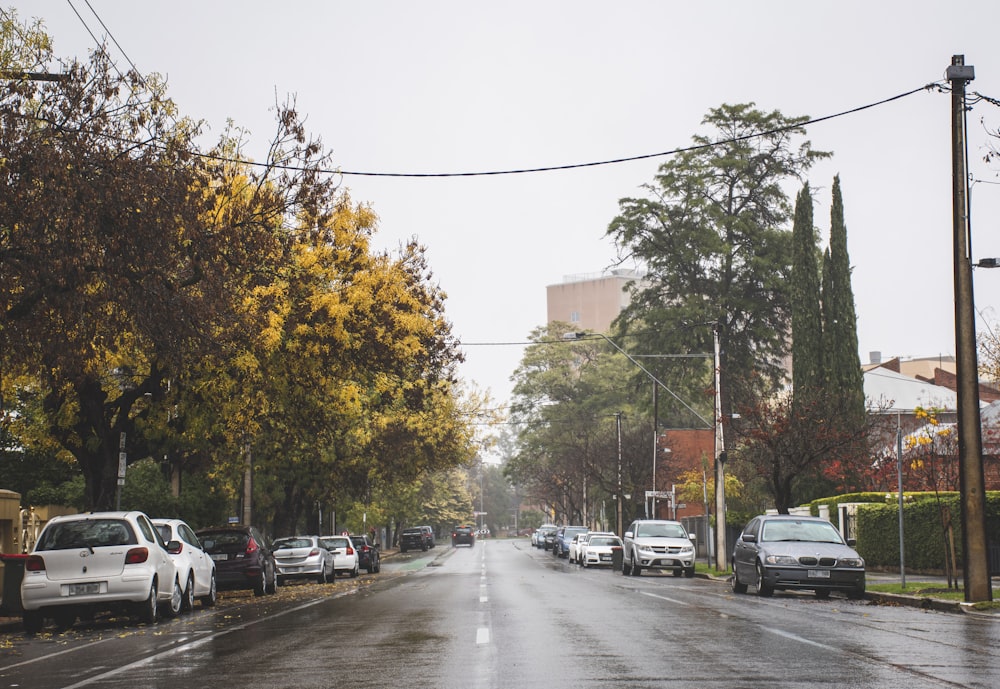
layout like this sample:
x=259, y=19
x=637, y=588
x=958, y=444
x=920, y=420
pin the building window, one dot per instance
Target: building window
x=574, y=317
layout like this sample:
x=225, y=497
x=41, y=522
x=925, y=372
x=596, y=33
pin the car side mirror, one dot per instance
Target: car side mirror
x=749, y=538
x=628, y=534
x=693, y=537
x=852, y=542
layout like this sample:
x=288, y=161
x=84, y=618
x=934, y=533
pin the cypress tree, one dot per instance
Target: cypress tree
x=804, y=297
x=844, y=379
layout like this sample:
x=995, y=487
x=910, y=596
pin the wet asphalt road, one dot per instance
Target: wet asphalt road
x=505, y=615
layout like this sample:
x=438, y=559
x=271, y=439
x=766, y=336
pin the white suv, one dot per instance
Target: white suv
x=658, y=544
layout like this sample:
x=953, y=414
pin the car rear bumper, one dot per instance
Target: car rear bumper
x=41, y=592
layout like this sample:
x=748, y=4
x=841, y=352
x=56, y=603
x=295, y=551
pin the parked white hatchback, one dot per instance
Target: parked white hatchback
x=345, y=555
x=195, y=567
x=84, y=563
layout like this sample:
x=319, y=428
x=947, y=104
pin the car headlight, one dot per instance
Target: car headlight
x=852, y=562
x=689, y=550
x=784, y=560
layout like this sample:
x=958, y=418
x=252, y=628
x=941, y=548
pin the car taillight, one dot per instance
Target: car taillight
x=252, y=547
x=350, y=550
x=136, y=556
x=34, y=563
x=313, y=553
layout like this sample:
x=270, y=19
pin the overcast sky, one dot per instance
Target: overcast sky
x=436, y=87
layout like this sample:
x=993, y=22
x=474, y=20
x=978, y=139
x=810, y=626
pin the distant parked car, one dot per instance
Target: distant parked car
x=544, y=531
x=243, y=558
x=416, y=538
x=538, y=536
x=195, y=567
x=463, y=535
x=369, y=557
x=777, y=552
x=345, y=556
x=658, y=544
x=560, y=546
x=99, y=561
x=303, y=557
x=600, y=550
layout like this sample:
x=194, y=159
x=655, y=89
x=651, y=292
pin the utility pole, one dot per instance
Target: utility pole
x=618, y=425
x=720, y=465
x=975, y=565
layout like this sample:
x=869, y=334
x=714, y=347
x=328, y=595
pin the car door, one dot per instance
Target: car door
x=745, y=550
x=201, y=562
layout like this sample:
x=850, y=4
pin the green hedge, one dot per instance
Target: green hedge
x=878, y=528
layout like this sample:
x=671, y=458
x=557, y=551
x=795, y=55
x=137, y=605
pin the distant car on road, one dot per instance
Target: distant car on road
x=778, y=552
x=463, y=535
x=99, y=561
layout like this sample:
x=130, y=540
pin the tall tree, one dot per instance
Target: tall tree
x=712, y=232
x=845, y=382
x=807, y=318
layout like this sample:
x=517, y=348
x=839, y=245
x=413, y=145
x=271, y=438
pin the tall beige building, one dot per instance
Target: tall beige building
x=590, y=301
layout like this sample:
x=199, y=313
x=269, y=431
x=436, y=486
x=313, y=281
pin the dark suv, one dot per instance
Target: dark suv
x=243, y=558
x=369, y=558
x=463, y=535
x=416, y=538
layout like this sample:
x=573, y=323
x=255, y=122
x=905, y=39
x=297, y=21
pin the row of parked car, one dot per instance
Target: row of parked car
x=125, y=562
x=773, y=552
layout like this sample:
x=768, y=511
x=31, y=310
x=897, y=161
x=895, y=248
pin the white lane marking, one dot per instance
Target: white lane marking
x=796, y=637
x=669, y=600
x=482, y=636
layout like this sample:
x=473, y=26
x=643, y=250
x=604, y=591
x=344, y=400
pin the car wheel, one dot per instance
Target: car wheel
x=763, y=590
x=321, y=578
x=272, y=588
x=689, y=572
x=33, y=621
x=356, y=571
x=378, y=565
x=187, y=603
x=857, y=593
x=149, y=610
x=738, y=586
x=583, y=563
x=636, y=567
x=173, y=606
x=678, y=572
x=626, y=568
x=212, y=597
x=822, y=594
x=64, y=619
x=260, y=586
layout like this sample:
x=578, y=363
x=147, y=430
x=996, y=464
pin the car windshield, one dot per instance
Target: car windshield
x=660, y=531
x=794, y=530
x=292, y=543
x=86, y=533
x=224, y=541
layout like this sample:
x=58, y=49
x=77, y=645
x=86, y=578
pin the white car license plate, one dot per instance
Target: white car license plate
x=819, y=574
x=83, y=589
x=605, y=557
x=220, y=557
